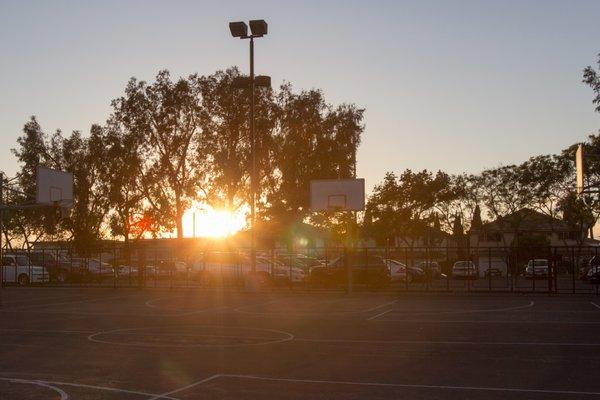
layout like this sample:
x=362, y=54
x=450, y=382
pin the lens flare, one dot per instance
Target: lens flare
x=213, y=223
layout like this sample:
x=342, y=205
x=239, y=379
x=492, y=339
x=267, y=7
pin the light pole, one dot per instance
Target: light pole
x=194, y=224
x=258, y=29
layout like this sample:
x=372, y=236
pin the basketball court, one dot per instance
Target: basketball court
x=159, y=344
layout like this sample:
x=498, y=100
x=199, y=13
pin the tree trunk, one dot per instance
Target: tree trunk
x=178, y=217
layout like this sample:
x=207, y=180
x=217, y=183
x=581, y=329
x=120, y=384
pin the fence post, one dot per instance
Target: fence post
x=533, y=270
x=490, y=269
x=550, y=276
x=554, y=257
x=115, y=266
x=348, y=270
x=100, y=278
x=427, y=265
x=573, y=269
x=448, y=272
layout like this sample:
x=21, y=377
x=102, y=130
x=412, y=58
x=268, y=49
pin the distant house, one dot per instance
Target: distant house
x=526, y=225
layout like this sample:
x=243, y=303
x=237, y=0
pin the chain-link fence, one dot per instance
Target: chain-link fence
x=507, y=269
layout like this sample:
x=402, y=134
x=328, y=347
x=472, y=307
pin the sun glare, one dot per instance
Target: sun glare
x=214, y=223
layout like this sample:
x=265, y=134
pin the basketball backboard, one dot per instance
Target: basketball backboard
x=337, y=195
x=54, y=187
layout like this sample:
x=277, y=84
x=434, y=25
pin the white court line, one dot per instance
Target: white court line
x=62, y=393
x=286, y=338
x=150, y=303
x=378, y=315
x=191, y=385
x=595, y=305
x=448, y=342
x=484, y=311
x=45, y=331
x=426, y=321
x=18, y=308
x=81, y=385
x=382, y=305
x=380, y=384
x=314, y=313
x=31, y=300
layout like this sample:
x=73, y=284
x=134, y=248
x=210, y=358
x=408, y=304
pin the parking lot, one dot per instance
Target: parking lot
x=85, y=343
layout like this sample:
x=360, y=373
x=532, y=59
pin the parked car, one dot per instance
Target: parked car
x=299, y=261
x=465, y=270
x=278, y=270
x=58, y=265
x=399, y=272
x=17, y=268
x=431, y=268
x=593, y=275
x=592, y=264
x=93, y=269
x=366, y=270
x=219, y=268
x=536, y=268
x=491, y=272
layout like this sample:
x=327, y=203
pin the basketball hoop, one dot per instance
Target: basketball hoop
x=337, y=195
x=54, y=188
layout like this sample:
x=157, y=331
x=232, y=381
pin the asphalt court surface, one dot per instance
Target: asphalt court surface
x=83, y=343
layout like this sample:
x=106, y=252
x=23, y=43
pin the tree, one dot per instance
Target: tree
x=592, y=79
x=476, y=222
x=455, y=195
x=83, y=157
x=549, y=179
x=166, y=118
x=313, y=140
x=225, y=148
x=122, y=152
x=578, y=214
x=404, y=207
x=76, y=154
x=33, y=150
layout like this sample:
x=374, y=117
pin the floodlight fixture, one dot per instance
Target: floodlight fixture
x=241, y=82
x=262, y=81
x=258, y=27
x=238, y=29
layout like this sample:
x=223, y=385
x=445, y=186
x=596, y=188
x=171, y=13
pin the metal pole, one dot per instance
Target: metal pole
x=194, y=224
x=1, y=232
x=253, y=159
x=489, y=268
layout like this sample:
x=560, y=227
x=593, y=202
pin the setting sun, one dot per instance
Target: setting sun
x=215, y=223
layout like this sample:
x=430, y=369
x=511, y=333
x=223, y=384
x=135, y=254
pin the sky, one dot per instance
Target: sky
x=451, y=85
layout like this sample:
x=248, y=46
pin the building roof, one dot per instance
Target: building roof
x=527, y=220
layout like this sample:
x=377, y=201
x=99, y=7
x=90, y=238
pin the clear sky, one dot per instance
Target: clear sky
x=452, y=85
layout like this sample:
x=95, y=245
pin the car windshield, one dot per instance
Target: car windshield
x=44, y=255
x=396, y=263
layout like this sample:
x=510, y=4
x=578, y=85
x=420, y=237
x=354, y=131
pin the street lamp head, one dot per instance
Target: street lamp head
x=258, y=27
x=238, y=29
x=241, y=82
x=262, y=81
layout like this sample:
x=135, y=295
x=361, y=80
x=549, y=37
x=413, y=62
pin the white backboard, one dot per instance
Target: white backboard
x=337, y=195
x=54, y=187
x=579, y=167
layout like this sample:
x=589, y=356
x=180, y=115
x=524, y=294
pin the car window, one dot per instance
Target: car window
x=22, y=260
x=8, y=261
